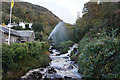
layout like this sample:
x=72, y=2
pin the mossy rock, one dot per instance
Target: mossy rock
x=74, y=57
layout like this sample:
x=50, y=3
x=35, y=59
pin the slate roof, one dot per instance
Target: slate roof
x=24, y=33
x=20, y=33
x=6, y=30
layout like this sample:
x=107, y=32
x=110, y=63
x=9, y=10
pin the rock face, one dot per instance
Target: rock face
x=61, y=68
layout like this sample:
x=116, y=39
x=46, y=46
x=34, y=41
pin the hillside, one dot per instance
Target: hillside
x=98, y=17
x=24, y=11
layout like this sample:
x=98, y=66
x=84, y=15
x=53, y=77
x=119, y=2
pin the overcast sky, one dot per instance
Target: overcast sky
x=65, y=9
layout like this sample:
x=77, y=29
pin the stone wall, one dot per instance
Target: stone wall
x=13, y=39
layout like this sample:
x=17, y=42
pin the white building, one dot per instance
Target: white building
x=23, y=24
x=13, y=24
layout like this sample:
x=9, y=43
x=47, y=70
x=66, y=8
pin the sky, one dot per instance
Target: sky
x=67, y=10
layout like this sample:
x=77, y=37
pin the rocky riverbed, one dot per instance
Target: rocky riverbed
x=60, y=68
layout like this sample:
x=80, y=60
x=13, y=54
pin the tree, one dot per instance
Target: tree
x=37, y=27
x=27, y=27
x=38, y=36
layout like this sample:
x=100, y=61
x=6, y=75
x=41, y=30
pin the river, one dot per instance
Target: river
x=61, y=68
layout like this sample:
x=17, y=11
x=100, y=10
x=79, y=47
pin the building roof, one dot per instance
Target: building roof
x=6, y=30
x=24, y=33
x=20, y=33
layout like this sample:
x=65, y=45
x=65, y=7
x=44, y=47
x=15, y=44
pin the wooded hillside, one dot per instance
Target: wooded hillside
x=24, y=11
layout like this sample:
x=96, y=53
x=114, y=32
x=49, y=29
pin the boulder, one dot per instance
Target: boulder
x=51, y=71
x=68, y=78
x=50, y=51
x=37, y=75
x=75, y=49
x=70, y=67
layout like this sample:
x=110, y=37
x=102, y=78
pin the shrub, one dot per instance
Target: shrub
x=17, y=59
x=99, y=56
x=37, y=27
x=27, y=27
x=64, y=46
